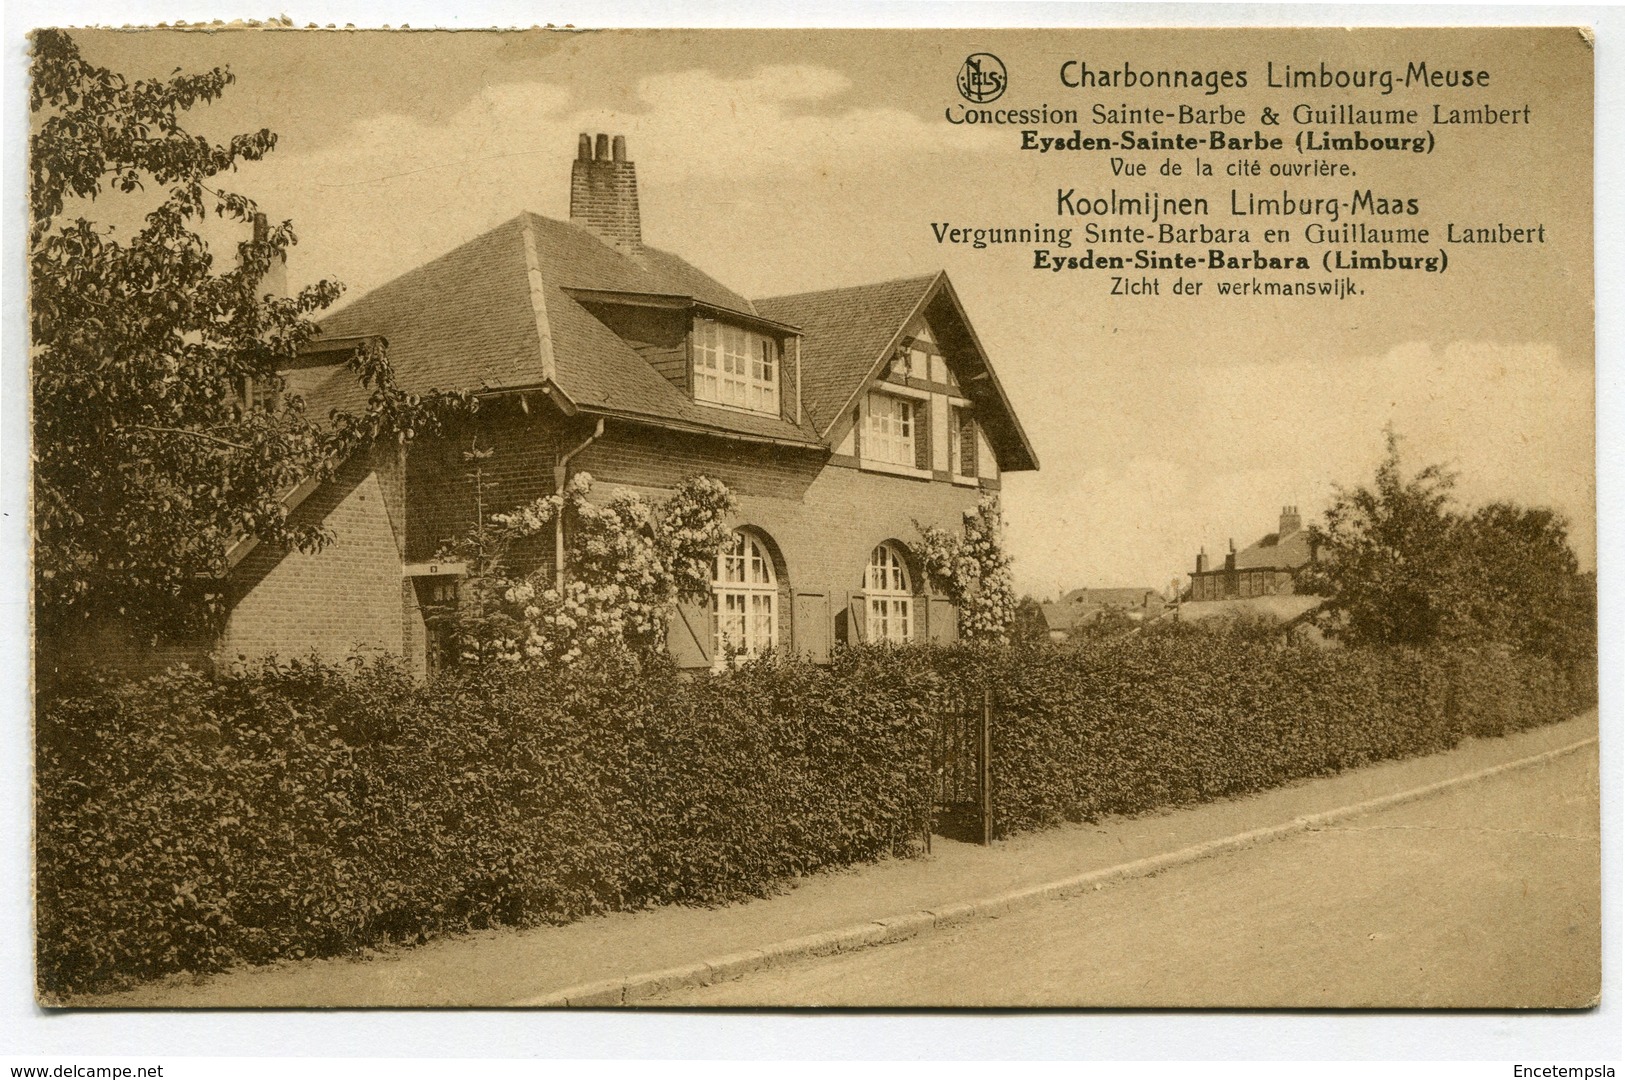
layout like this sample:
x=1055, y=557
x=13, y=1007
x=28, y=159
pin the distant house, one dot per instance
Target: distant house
x=1081, y=608
x=1269, y=567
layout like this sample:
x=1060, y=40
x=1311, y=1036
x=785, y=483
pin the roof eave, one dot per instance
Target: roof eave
x=677, y=301
x=1024, y=444
x=885, y=354
x=671, y=424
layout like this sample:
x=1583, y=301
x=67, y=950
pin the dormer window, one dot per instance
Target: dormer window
x=735, y=367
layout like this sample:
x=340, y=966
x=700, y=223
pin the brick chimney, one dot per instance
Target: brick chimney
x=1201, y=561
x=1230, y=556
x=604, y=193
x=1290, y=522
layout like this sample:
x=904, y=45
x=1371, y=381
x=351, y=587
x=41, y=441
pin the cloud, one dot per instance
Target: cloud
x=398, y=189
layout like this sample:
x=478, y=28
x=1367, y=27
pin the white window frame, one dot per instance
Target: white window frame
x=890, y=429
x=735, y=368
x=744, y=600
x=888, y=597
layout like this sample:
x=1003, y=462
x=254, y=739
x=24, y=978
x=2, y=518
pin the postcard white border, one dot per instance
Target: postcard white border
x=1102, y=1036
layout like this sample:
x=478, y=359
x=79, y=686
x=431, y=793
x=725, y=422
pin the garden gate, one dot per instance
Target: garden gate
x=965, y=770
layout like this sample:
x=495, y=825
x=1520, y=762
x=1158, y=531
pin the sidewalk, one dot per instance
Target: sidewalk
x=591, y=959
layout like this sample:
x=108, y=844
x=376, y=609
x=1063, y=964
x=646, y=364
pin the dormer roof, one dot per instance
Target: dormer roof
x=495, y=314
x=513, y=310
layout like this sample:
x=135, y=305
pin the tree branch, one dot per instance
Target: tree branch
x=194, y=434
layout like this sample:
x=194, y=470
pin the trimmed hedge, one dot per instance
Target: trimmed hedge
x=1156, y=721
x=190, y=823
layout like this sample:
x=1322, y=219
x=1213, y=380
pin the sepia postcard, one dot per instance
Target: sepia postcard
x=678, y=519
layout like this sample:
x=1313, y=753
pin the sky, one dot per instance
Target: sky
x=787, y=161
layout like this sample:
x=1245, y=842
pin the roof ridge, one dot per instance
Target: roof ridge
x=921, y=278
x=538, y=303
x=349, y=302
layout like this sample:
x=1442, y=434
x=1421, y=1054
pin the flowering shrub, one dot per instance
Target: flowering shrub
x=628, y=562
x=973, y=569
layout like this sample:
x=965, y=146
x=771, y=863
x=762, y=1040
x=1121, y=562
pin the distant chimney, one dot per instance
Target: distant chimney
x=1290, y=522
x=604, y=193
x=275, y=281
x=1201, y=561
x=1230, y=557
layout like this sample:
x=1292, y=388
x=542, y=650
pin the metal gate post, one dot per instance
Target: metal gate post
x=985, y=780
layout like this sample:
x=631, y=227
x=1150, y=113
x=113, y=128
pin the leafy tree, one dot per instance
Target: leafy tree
x=1523, y=585
x=1385, y=557
x=153, y=453
x=1401, y=566
x=1029, y=624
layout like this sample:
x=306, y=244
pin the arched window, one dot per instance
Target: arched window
x=744, y=600
x=890, y=596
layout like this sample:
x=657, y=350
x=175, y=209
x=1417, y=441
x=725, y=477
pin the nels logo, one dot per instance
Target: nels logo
x=982, y=78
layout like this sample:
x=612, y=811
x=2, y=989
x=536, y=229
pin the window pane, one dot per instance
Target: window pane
x=735, y=366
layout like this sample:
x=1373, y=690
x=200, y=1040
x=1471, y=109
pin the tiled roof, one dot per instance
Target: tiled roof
x=1275, y=552
x=471, y=319
x=846, y=332
x=1082, y=605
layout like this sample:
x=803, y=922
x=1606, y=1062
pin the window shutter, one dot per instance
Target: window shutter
x=811, y=628
x=857, y=618
x=942, y=621
x=922, y=435
x=688, y=635
x=967, y=445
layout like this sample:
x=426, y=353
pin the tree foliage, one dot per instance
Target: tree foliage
x=1402, y=565
x=154, y=455
x=1028, y=624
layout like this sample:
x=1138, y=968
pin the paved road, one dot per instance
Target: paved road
x=1487, y=895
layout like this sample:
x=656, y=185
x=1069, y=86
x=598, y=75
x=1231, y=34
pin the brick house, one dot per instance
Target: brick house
x=1268, y=567
x=839, y=419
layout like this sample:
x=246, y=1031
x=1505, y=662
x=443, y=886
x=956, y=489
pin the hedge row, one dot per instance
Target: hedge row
x=1167, y=720
x=188, y=823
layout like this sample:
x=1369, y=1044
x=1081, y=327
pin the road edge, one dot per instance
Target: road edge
x=636, y=988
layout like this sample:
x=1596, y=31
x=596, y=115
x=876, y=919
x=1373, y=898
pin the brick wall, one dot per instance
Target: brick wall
x=111, y=648
x=440, y=502
x=346, y=597
x=651, y=458
x=823, y=521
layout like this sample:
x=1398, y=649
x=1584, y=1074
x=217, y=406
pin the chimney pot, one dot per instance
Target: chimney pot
x=584, y=149
x=604, y=194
